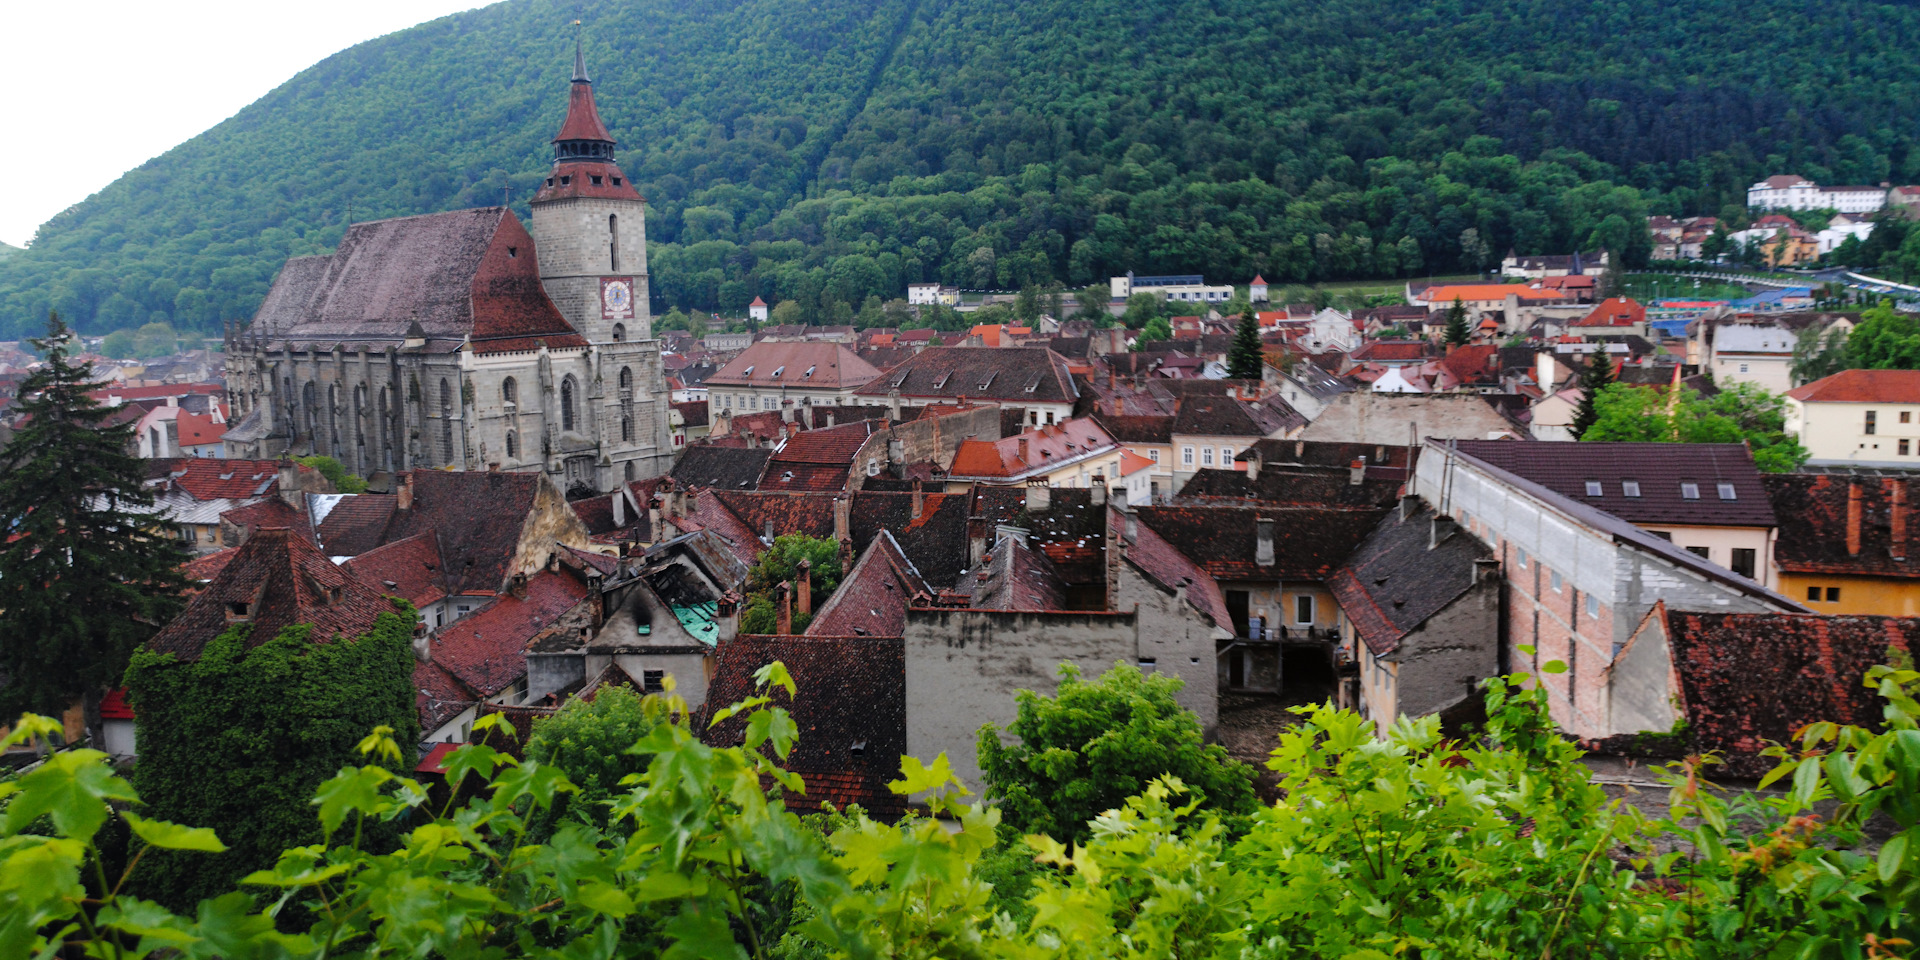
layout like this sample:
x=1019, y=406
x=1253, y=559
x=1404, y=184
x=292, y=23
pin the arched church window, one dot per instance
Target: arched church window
x=513, y=445
x=507, y=390
x=566, y=403
x=613, y=240
x=446, y=422
x=619, y=333
x=626, y=428
x=626, y=378
x=629, y=471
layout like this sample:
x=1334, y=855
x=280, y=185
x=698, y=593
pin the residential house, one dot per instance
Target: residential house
x=1540, y=266
x=1906, y=200
x=1612, y=317
x=1306, y=387
x=689, y=421
x=1848, y=544
x=191, y=494
x=1148, y=438
x=1745, y=350
x=1705, y=498
x=1033, y=378
x=758, y=311
x=1579, y=579
x=930, y=294
x=1736, y=683
x=1071, y=453
x=1858, y=417
x=1211, y=431
x=1421, y=606
x=783, y=374
x=1389, y=418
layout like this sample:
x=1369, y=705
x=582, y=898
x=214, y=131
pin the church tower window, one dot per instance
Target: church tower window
x=507, y=387
x=446, y=423
x=513, y=446
x=613, y=237
x=566, y=403
x=626, y=378
x=626, y=429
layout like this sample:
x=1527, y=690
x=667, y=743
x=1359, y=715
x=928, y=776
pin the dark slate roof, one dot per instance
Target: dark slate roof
x=1816, y=535
x=1006, y=374
x=1137, y=429
x=1398, y=578
x=1292, y=485
x=723, y=468
x=283, y=579
x=448, y=272
x=852, y=697
x=934, y=540
x=1384, y=460
x=1072, y=532
x=1746, y=679
x=1660, y=469
x=1309, y=542
x=1233, y=417
x=872, y=599
x=1014, y=577
x=693, y=413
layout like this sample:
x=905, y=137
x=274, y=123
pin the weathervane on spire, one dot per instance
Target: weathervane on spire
x=579, y=59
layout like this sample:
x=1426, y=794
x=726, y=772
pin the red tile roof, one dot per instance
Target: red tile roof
x=1046, y=447
x=583, y=116
x=271, y=512
x=1392, y=351
x=1156, y=558
x=195, y=430
x=1823, y=529
x=486, y=651
x=279, y=579
x=209, y=478
x=207, y=567
x=1862, y=386
x=799, y=365
x=1015, y=375
x=872, y=600
x=1481, y=292
x=1614, y=312
x=408, y=568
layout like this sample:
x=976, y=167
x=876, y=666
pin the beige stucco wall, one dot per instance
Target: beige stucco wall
x=1837, y=431
x=1772, y=371
x=1722, y=541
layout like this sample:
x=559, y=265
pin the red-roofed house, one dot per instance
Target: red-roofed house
x=1858, y=416
x=1066, y=454
x=1613, y=317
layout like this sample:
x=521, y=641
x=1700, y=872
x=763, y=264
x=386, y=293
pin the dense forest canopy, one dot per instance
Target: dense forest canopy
x=829, y=151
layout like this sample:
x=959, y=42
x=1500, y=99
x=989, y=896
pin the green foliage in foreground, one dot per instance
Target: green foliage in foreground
x=1502, y=847
x=1742, y=412
x=589, y=739
x=238, y=738
x=1089, y=747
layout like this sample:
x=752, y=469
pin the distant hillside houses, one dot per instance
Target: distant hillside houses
x=1191, y=288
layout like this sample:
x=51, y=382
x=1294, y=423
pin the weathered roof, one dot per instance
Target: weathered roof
x=211, y=478
x=1746, y=679
x=1660, y=469
x=278, y=579
x=1011, y=576
x=802, y=365
x=458, y=275
x=851, y=713
x=872, y=598
x=1137, y=429
x=1399, y=577
x=1006, y=374
x=486, y=651
x=1037, y=450
x=1309, y=542
x=1297, y=485
x=1614, y=312
x=1862, y=386
x=1825, y=529
x=723, y=468
x=1154, y=556
x=1233, y=417
x=408, y=568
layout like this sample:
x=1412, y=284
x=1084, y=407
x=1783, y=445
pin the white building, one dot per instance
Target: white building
x=1257, y=290
x=757, y=310
x=1191, y=288
x=931, y=294
x=1794, y=192
x=1832, y=237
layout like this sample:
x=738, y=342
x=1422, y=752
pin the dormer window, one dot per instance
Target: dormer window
x=775, y=375
x=596, y=179
x=747, y=373
x=937, y=384
x=239, y=610
x=549, y=181
x=808, y=375
x=1629, y=488
x=513, y=253
x=989, y=380
x=1689, y=491
x=616, y=181
x=564, y=181
x=1593, y=488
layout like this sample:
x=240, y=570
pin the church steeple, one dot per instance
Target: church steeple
x=583, y=160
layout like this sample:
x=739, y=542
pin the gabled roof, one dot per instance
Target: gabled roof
x=408, y=568
x=355, y=524
x=1159, y=561
x=211, y=478
x=1747, y=679
x=873, y=597
x=1012, y=375
x=1468, y=292
x=1137, y=429
x=278, y=579
x=486, y=651
x=1011, y=576
x=800, y=365
x=1392, y=351
x=1822, y=531
x=1036, y=451
x=270, y=512
x=1862, y=386
x=1309, y=542
x=1398, y=578
x=1660, y=469
x=723, y=468
x=477, y=515
x=852, y=714
x=1229, y=416
x=1614, y=312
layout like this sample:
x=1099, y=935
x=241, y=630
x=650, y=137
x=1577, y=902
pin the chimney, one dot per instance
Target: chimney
x=1263, y=542
x=1357, y=471
x=768, y=536
x=786, y=609
x=897, y=456
x=405, y=492
x=1132, y=526
x=1039, y=496
x=1409, y=505
x=829, y=419
x=1254, y=460
x=806, y=587
x=422, y=647
x=786, y=411
x=653, y=515
x=1097, y=490
x=1023, y=450
x=976, y=541
x=919, y=499
x=1441, y=530
x=1853, y=518
x=1898, y=548
x=842, y=519
x=893, y=404
x=620, y=508
x=290, y=485
x=1299, y=449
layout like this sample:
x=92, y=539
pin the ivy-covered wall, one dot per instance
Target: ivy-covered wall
x=238, y=739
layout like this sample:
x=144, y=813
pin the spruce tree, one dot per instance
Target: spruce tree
x=85, y=577
x=1598, y=375
x=1245, y=359
x=1457, y=332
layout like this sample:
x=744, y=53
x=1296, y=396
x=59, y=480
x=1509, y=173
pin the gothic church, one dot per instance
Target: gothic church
x=463, y=341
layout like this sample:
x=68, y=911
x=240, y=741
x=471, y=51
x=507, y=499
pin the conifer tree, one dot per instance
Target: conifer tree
x=1244, y=358
x=1457, y=332
x=84, y=576
x=1597, y=377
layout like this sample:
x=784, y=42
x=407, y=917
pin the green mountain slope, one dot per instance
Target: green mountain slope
x=829, y=151
x=7, y=250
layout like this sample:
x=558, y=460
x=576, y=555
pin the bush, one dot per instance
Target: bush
x=343, y=482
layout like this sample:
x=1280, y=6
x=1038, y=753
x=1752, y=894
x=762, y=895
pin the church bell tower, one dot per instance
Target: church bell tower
x=589, y=227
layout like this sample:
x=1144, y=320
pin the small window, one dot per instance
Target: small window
x=238, y=611
x=653, y=680
x=1153, y=455
x=1813, y=594
x=1149, y=665
x=1593, y=606
x=1833, y=594
x=1186, y=456
x=1743, y=561
x=616, y=181
x=513, y=253
x=1903, y=447
x=1206, y=456
x=596, y=182
x=1689, y=491
x=1593, y=488
x=1226, y=455
x=1906, y=416
x=1872, y=417
x=1554, y=581
x=1629, y=488
x=1303, y=609
x=1743, y=368
x=1523, y=559
x=1704, y=553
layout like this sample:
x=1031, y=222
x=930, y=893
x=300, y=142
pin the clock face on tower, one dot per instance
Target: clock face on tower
x=616, y=298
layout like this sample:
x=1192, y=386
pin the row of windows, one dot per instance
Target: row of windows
x=1833, y=594
x=1558, y=585
x=1206, y=456
x=1688, y=489
x=1873, y=420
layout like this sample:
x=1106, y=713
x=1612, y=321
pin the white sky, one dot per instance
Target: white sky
x=148, y=76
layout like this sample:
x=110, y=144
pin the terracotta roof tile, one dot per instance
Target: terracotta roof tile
x=408, y=568
x=278, y=579
x=872, y=599
x=209, y=478
x=1862, y=386
x=1818, y=536
x=1157, y=558
x=799, y=365
x=486, y=651
x=1007, y=374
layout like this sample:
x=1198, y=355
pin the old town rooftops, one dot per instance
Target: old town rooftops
x=1690, y=484
x=800, y=366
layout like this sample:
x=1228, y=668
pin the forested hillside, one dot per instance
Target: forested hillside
x=827, y=151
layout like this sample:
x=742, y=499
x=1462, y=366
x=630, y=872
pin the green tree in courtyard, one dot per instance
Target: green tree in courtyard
x=1742, y=413
x=588, y=740
x=343, y=482
x=1457, y=332
x=85, y=575
x=1156, y=329
x=780, y=563
x=1594, y=379
x=1244, y=358
x=1816, y=355
x=1089, y=747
